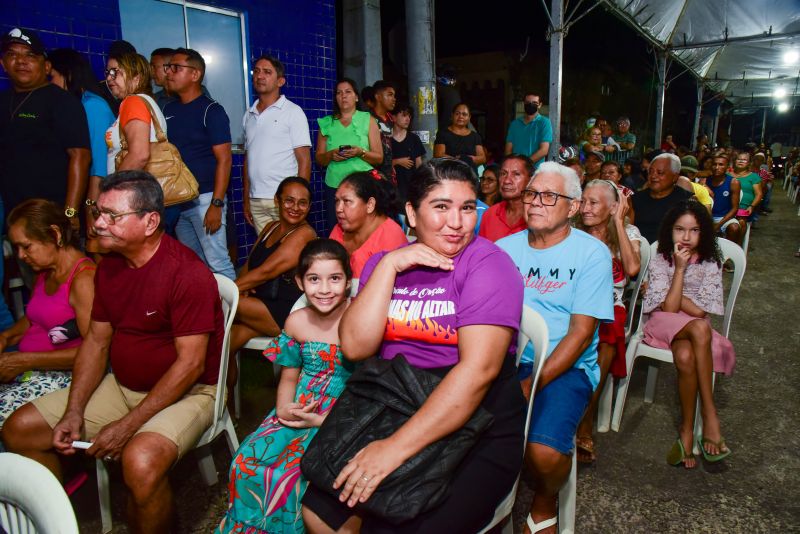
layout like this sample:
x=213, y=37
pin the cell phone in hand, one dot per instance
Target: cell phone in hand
x=342, y=148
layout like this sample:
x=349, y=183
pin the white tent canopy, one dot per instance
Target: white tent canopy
x=748, y=49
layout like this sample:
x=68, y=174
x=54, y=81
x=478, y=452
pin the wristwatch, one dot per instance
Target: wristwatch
x=70, y=212
x=217, y=202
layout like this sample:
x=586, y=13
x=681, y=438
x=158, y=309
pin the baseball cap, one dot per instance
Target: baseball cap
x=688, y=164
x=23, y=37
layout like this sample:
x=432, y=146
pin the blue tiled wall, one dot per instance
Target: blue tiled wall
x=301, y=33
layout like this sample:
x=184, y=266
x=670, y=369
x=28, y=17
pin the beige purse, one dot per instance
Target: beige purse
x=165, y=163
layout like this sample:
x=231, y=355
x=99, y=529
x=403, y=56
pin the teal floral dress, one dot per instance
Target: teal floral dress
x=266, y=486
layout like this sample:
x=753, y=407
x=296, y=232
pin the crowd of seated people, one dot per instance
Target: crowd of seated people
x=562, y=239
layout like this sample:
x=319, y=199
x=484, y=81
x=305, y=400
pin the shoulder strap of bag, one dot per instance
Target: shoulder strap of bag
x=160, y=135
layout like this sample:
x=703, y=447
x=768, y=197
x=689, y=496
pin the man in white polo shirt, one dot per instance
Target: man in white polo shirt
x=277, y=142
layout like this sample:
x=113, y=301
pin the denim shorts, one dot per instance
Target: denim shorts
x=558, y=409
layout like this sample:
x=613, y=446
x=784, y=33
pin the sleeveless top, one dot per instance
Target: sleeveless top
x=48, y=315
x=282, y=287
x=354, y=134
x=722, y=196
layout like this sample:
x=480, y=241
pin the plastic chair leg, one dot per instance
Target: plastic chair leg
x=230, y=434
x=650, y=388
x=237, y=401
x=622, y=385
x=205, y=463
x=104, y=493
x=567, y=497
x=604, y=405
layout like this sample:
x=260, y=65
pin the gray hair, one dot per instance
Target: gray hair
x=572, y=184
x=608, y=185
x=674, y=161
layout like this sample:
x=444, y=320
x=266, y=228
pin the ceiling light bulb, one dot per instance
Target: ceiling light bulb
x=780, y=92
x=783, y=107
x=791, y=57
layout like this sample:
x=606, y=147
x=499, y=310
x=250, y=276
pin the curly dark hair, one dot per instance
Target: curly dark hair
x=707, y=248
x=373, y=184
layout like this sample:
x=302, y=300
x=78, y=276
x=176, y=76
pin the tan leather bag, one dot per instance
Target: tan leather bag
x=165, y=163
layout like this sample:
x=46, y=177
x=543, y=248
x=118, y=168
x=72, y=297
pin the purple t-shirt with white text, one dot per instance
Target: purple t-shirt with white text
x=428, y=306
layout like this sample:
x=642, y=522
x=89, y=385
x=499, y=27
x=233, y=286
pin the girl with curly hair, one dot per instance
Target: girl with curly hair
x=685, y=286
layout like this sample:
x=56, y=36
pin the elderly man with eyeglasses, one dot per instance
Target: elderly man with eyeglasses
x=568, y=280
x=157, y=318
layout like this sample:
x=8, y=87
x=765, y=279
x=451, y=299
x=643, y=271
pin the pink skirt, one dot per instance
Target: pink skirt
x=662, y=327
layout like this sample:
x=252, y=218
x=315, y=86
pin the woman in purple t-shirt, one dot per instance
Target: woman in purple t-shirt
x=454, y=303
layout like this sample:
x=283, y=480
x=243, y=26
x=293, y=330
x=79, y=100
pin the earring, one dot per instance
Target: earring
x=60, y=243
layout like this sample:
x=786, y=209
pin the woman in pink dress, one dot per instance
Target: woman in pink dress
x=37, y=352
x=685, y=286
x=365, y=204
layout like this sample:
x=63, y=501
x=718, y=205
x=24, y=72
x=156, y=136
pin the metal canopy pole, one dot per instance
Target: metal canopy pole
x=716, y=129
x=422, y=70
x=764, y=125
x=361, y=41
x=662, y=85
x=556, y=57
x=697, y=115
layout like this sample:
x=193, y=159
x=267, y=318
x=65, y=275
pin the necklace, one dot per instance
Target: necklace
x=11, y=103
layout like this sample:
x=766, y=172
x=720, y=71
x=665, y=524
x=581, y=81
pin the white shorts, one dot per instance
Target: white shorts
x=729, y=222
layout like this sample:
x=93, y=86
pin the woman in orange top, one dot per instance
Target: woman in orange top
x=365, y=204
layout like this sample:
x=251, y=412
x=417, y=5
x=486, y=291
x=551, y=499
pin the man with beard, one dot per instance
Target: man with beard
x=532, y=134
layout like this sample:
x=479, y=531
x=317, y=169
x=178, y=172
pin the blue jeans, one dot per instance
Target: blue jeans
x=212, y=248
x=6, y=319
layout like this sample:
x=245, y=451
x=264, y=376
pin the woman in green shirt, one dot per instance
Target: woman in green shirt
x=348, y=141
x=752, y=192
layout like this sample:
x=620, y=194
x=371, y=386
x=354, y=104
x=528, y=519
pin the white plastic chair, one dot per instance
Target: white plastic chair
x=31, y=499
x=534, y=329
x=636, y=346
x=229, y=293
x=746, y=239
x=606, y=399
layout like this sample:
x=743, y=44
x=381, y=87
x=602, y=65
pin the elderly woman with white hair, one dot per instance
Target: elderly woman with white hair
x=568, y=280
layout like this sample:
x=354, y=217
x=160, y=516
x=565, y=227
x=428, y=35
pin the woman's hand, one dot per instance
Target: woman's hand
x=622, y=210
x=406, y=163
x=362, y=475
x=337, y=156
x=681, y=257
x=416, y=255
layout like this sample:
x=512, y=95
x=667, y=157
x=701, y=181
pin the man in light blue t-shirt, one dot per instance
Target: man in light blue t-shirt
x=531, y=134
x=568, y=280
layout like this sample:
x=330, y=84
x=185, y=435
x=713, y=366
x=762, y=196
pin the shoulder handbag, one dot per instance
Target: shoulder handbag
x=165, y=163
x=378, y=398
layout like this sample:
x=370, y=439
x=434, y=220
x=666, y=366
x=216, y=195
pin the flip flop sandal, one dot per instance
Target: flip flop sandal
x=718, y=444
x=677, y=454
x=586, y=445
x=541, y=525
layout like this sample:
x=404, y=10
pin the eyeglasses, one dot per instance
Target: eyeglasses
x=109, y=217
x=548, y=198
x=112, y=73
x=174, y=67
x=290, y=202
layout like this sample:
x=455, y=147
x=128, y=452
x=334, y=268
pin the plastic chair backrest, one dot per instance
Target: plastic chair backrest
x=32, y=499
x=532, y=328
x=229, y=293
x=644, y=255
x=735, y=253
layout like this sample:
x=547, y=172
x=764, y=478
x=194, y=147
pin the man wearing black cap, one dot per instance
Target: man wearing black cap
x=44, y=136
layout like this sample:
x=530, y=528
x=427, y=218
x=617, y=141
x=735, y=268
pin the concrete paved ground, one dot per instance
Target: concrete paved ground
x=631, y=488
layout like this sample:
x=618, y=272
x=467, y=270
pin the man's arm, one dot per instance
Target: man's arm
x=77, y=177
x=303, y=156
x=222, y=175
x=627, y=146
x=544, y=148
x=579, y=337
x=178, y=379
x=248, y=215
x=509, y=148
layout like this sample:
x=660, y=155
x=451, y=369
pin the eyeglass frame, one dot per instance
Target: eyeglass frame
x=110, y=218
x=294, y=202
x=541, y=198
x=113, y=72
x=175, y=66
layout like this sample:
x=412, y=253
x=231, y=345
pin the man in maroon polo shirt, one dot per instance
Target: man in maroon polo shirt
x=508, y=216
x=157, y=317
